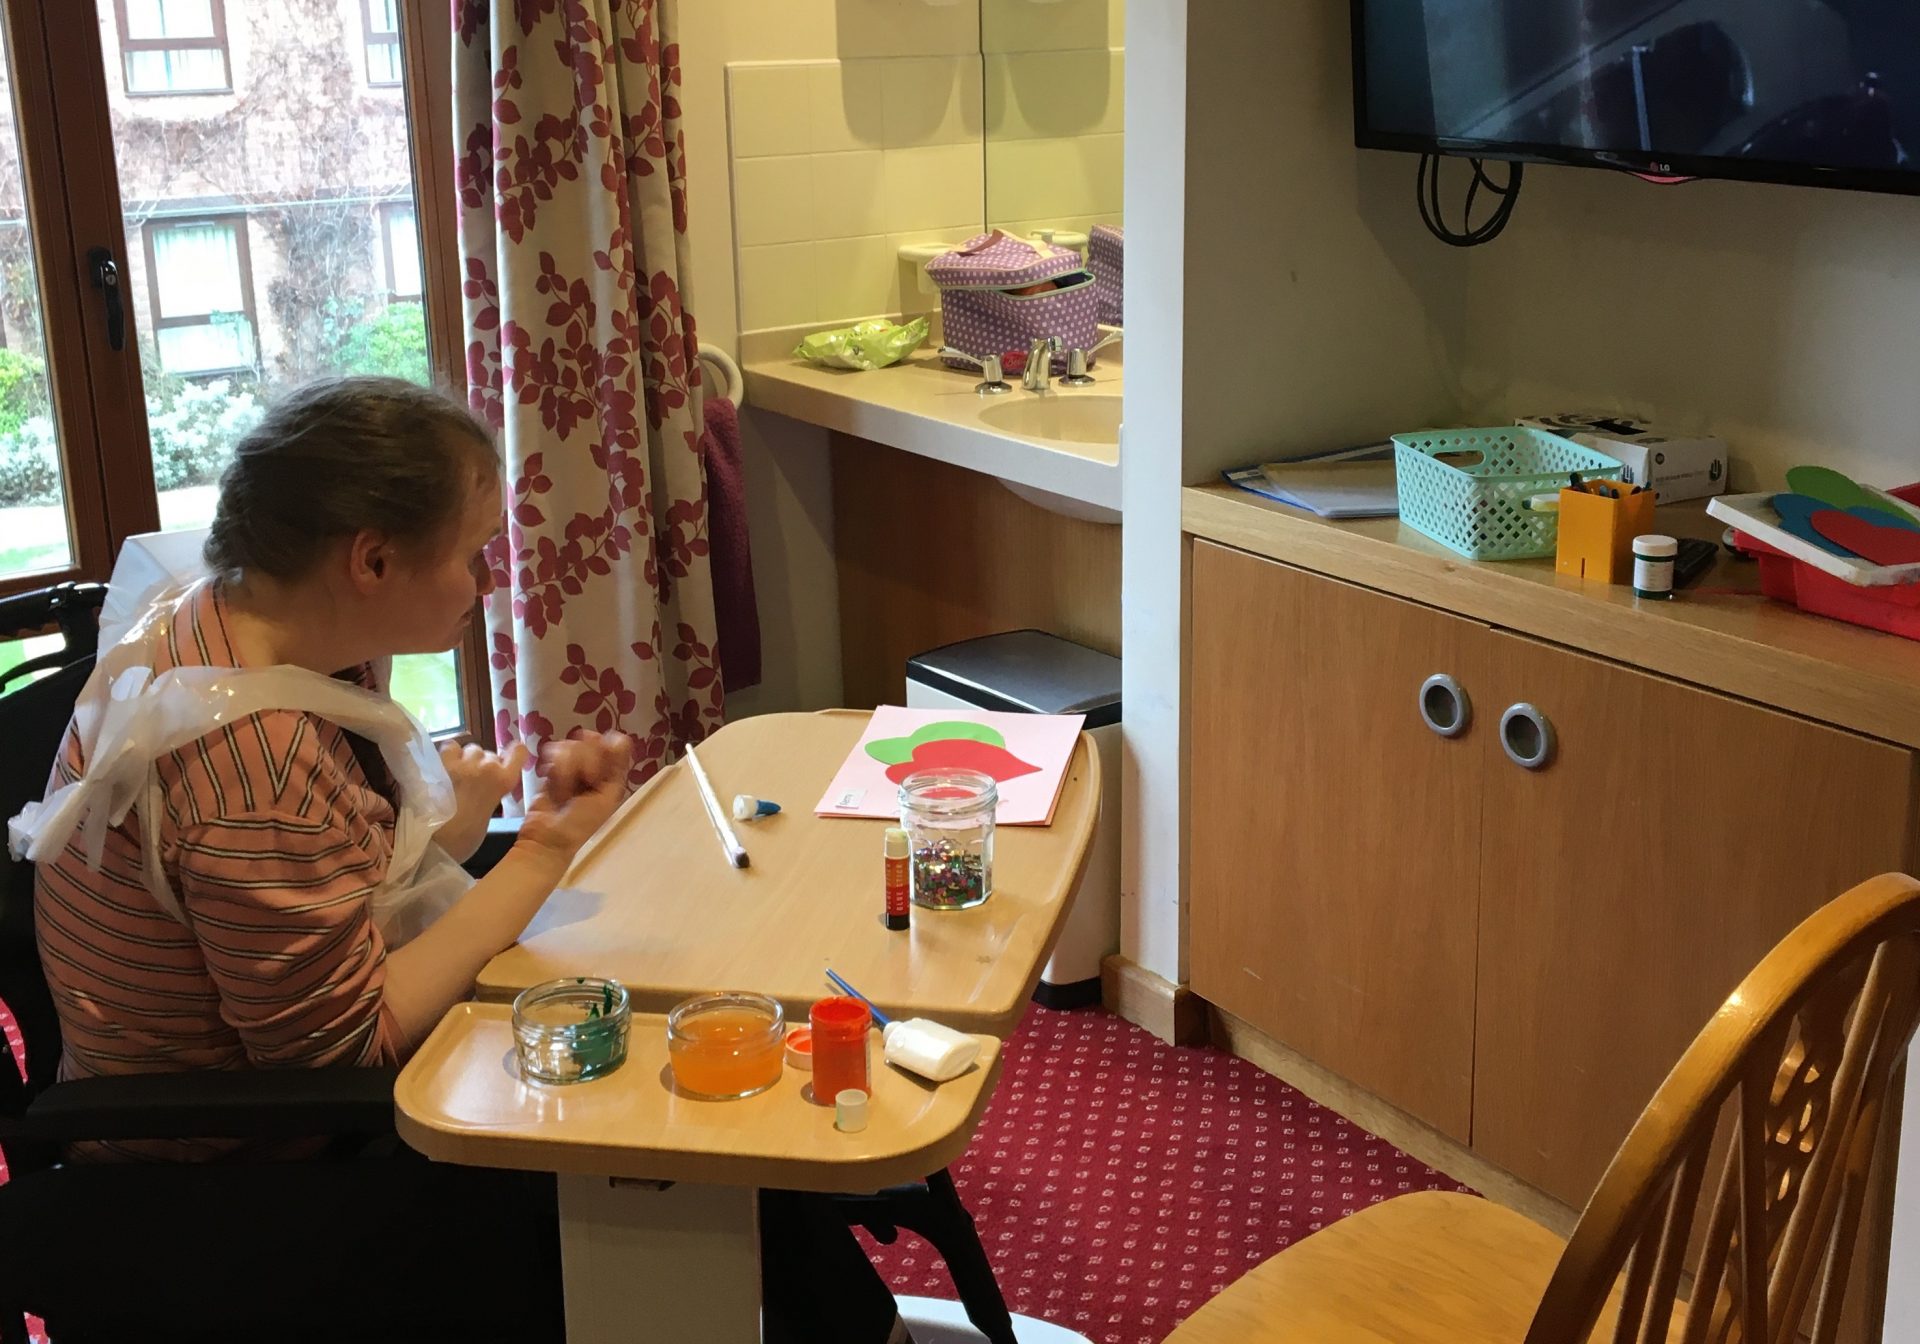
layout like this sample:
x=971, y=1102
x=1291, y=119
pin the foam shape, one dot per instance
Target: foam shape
x=957, y=753
x=1796, y=517
x=895, y=750
x=1869, y=540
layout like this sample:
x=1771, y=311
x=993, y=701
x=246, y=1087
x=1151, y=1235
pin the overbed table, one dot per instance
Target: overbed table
x=657, y=1190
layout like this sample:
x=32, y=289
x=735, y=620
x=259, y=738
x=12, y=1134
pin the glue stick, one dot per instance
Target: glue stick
x=896, y=877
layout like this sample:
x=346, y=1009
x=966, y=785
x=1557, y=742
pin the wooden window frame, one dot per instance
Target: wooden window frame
x=129, y=45
x=237, y=220
x=377, y=38
x=384, y=218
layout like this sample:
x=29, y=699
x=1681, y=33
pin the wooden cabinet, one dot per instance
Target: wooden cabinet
x=1630, y=884
x=1335, y=839
x=1514, y=956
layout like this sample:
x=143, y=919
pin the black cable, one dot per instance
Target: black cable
x=1432, y=213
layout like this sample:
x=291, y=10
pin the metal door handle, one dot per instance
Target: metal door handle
x=1527, y=736
x=1445, y=706
x=106, y=278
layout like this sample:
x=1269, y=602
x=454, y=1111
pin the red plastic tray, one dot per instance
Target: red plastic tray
x=1785, y=579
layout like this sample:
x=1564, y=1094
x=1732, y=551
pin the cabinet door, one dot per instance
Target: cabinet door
x=1334, y=837
x=1632, y=882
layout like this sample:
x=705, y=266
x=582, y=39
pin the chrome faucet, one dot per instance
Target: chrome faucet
x=1039, y=372
x=1077, y=375
x=993, y=381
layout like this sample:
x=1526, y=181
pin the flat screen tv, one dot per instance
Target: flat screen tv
x=1823, y=92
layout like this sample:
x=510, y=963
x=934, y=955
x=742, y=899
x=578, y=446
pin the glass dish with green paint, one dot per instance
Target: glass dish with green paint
x=572, y=1030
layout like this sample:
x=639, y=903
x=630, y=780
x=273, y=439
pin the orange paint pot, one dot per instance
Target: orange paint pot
x=727, y=1045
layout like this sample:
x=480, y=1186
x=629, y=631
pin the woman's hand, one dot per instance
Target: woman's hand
x=585, y=780
x=481, y=778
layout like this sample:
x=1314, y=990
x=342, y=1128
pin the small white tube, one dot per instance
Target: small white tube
x=934, y=1052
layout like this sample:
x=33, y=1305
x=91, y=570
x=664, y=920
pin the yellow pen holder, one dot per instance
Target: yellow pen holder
x=1597, y=526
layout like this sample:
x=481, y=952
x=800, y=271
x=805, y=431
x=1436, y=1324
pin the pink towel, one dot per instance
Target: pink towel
x=736, y=612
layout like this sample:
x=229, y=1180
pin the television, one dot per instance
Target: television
x=1817, y=92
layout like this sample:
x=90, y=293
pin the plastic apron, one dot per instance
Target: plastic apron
x=127, y=718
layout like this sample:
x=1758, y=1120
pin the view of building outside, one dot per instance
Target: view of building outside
x=263, y=155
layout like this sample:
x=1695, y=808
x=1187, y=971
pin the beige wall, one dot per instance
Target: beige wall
x=1318, y=311
x=1784, y=319
x=1055, y=113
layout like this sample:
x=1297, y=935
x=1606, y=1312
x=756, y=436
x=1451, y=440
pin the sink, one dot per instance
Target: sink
x=1063, y=417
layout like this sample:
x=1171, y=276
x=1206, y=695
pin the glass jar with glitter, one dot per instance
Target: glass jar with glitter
x=948, y=817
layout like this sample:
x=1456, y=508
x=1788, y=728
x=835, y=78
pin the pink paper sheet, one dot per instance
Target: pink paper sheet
x=1043, y=742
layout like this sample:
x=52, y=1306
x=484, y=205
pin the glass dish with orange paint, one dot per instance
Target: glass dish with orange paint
x=726, y=1045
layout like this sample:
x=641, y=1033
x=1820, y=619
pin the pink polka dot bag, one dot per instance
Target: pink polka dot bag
x=999, y=293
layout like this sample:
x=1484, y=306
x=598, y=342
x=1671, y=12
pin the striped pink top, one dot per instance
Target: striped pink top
x=273, y=838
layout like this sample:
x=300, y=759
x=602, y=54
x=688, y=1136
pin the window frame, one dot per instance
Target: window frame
x=237, y=221
x=129, y=45
x=384, y=217
x=378, y=38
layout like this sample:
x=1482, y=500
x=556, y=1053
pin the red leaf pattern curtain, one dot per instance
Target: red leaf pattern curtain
x=581, y=354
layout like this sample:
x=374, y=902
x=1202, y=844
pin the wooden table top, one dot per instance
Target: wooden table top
x=653, y=904
x=460, y=1099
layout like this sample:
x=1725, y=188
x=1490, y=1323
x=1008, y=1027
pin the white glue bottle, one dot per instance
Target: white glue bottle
x=934, y=1052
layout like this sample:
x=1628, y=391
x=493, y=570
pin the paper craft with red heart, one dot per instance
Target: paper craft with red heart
x=959, y=753
x=1869, y=540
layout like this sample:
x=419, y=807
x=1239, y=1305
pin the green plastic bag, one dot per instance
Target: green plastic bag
x=872, y=344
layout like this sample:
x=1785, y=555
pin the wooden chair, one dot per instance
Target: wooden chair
x=1781, y=1100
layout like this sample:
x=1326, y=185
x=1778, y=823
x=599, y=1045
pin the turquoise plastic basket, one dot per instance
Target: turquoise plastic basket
x=1478, y=506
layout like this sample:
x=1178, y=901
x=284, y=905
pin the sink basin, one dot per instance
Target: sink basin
x=1063, y=417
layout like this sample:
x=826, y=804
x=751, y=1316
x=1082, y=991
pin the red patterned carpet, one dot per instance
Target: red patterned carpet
x=1119, y=1183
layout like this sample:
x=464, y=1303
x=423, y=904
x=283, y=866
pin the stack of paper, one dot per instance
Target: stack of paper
x=1026, y=754
x=1350, y=483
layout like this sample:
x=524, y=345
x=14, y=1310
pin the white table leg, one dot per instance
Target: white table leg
x=642, y=1263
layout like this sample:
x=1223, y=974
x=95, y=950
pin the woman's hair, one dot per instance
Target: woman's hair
x=340, y=455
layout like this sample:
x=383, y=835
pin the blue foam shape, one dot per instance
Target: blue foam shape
x=1796, y=516
x=1885, y=517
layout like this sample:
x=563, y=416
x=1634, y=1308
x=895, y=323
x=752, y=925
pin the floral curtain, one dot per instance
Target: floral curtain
x=581, y=354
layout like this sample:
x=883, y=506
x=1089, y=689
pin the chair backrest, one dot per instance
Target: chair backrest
x=1777, y=1110
x=33, y=721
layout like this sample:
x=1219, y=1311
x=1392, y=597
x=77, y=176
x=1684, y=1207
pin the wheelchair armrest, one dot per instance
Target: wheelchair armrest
x=501, y=833
x=216, y=1104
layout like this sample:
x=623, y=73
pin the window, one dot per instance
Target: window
x=400, y=239
x=200, y=279
x=174, y=46
x=235, y=278
x=383, y=42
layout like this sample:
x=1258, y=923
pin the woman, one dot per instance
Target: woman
x=242, y=916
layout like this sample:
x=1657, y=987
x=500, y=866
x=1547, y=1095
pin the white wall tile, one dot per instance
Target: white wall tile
x=773, y=200
x=932, y=100
x=1043, y=179
x=767, y=109
x=849, y=195
x=847, y=105
x=917, y=293
x=1054, y=93
x=777, y=286
x=1059, y=25
x=856, y=277
x=933, y=187
x=903, y=27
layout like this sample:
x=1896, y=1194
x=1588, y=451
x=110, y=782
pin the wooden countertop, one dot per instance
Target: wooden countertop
x=653, y=904
x=460, y=1099
x=1737, y=642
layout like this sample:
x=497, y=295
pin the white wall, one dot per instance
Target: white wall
x=1151, y=473
x=1784, y=319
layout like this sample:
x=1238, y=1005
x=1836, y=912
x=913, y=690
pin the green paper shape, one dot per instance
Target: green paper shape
x=899, y=750
x=1840, y=491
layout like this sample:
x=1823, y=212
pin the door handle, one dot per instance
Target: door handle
x=1527, y=736
x=105, y=272
x=1445, y=706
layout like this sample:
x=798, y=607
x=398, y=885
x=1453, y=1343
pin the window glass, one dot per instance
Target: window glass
x=403, y=247
x=34, y=532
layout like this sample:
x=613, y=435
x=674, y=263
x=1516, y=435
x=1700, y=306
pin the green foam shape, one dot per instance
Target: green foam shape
x=898, y=750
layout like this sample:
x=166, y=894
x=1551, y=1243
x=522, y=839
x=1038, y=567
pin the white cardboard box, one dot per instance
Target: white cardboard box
x=1674, y=468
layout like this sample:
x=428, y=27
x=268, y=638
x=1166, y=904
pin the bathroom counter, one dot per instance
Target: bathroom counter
x=921, y=406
